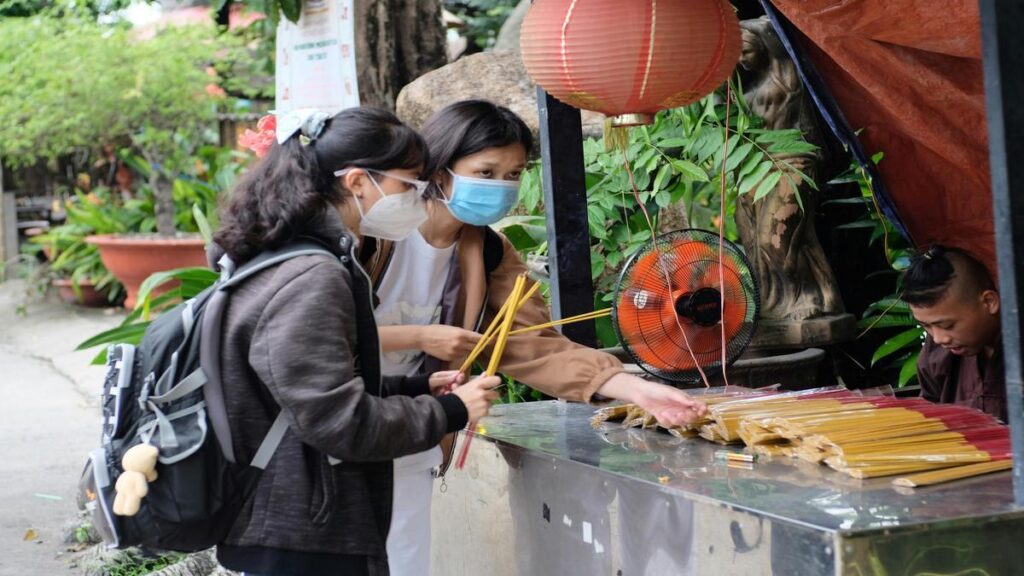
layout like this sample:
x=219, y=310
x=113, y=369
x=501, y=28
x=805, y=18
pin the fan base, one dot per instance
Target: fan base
x=793, y=370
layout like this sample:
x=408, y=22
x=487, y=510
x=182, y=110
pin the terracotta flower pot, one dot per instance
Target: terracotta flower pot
x=132, y=259
x=90, y=297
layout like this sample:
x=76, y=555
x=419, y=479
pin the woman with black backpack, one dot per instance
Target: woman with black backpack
x=299, y=339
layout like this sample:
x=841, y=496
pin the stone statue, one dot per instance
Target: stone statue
x=795, y=279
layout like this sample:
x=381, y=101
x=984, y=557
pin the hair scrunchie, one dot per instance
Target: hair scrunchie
x=308, y=122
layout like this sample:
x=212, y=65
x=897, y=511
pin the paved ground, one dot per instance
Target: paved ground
x=49, y=420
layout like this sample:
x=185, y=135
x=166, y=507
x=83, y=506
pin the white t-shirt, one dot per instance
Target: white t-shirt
x=410, y=294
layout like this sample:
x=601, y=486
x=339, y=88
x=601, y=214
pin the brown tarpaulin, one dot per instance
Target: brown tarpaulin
x=908, y=74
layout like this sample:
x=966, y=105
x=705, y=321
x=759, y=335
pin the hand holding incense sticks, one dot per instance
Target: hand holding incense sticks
x=501, y=325
x=500, y=329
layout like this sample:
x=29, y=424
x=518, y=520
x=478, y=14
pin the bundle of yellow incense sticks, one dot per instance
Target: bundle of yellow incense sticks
x=501, y=326
x=972, y=447
x=727, y=417
x=863, y=435
x=615, y=413
x=886, y=437
x=505, y=316
x=492, y=330
x=632, y=415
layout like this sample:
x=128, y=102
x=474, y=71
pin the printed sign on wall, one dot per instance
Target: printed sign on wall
x=316, y=64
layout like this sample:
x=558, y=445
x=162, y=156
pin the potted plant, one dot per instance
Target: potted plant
x=158, y=293
x=195, y=188
x=75, y=266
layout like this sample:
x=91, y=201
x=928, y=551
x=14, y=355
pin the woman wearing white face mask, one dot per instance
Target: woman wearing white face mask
x=299, y=346
x=439, y=285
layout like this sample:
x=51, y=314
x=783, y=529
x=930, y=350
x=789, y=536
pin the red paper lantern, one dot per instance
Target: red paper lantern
x=625, y=58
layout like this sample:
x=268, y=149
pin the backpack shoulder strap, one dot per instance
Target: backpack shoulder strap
x=494, y=250
x=232, y=275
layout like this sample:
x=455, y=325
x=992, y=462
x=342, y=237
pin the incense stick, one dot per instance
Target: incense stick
x=578, y=318
x=957, y=473
x=506, y=326
x=491, y=331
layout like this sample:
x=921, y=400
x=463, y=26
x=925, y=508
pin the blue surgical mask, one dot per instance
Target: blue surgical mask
x=479, y=201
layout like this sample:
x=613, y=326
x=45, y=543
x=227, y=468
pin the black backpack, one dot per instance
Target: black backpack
x=167, y=392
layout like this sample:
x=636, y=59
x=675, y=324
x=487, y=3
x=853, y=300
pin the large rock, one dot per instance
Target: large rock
x=498, y=76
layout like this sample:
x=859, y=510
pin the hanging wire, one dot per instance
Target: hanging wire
x=664, y=267
x=721, y=226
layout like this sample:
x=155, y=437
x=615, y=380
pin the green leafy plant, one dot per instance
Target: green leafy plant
x=676, y=166
x=197, y=182
x=86, y=8
x=513, y=391
x=70, y=85
x=196, y=193
x=483, y=18
x=134, y=563
x=81, y=533
x=889, y=313
x=191, y=281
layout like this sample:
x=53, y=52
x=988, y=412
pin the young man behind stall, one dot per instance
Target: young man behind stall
x=954, y=299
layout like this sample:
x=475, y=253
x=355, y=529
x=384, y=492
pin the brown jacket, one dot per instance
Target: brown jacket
x=544, y=359
x=973, y=381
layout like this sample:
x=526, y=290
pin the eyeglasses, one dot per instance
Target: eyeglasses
x=418, y=185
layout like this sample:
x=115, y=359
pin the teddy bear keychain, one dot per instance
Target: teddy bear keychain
x=139, y=465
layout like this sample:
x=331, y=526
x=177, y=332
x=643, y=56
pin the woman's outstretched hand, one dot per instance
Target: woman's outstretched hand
x=670, y=406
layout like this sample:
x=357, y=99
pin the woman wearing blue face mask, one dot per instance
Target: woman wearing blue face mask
x=438, y=286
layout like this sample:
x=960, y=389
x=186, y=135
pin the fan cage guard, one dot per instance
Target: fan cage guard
x=643, y=319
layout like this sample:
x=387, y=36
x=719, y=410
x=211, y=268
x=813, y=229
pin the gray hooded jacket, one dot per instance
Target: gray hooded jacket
x=299, y=337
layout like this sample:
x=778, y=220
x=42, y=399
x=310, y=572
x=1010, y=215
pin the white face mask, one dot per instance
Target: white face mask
x=394, y=216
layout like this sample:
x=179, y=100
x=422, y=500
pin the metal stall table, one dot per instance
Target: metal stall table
x=545, y=494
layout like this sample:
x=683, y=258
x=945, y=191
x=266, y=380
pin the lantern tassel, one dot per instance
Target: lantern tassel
x=615, y=137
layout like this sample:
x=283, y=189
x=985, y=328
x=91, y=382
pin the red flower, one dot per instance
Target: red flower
x=261, y=140
x=215, y=91
x=268, y=122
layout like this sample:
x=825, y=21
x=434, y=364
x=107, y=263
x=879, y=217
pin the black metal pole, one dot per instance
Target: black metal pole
x=565, y=203
x=1003, y=56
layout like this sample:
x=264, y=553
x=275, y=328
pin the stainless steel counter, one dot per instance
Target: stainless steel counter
x=545, y=493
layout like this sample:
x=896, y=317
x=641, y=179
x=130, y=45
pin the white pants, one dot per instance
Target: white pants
x=409, y=537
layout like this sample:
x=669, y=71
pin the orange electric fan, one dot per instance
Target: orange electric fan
x=681, y=275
